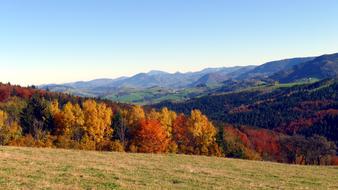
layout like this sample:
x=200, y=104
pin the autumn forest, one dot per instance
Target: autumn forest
x=38, y=118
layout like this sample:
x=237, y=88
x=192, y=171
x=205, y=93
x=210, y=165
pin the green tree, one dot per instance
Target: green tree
x=119, y=128
x=36, y=118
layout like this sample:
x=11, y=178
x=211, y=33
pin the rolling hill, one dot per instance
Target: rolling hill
x=34, y=168
x=151, y=87
x=156, y=86
x=270, y=68
x=325, y=66
x=150, y=79
x=314, y=108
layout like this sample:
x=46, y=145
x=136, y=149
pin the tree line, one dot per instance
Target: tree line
x=93, y=125
x=298, y=112
x=36, y=118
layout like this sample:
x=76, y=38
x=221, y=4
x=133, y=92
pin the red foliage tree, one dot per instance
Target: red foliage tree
x=264, y=141
x=180, y=132
x=5, y=92
x=334, y=160
x=239, y=134
x=151, y=137
x=24, y=92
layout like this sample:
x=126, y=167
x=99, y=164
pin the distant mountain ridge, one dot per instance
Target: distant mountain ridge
x=153, y=78
x=324, y=66
x=207, y=81
x=272, y=67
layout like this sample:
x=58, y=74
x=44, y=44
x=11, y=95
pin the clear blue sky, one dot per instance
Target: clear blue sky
x=55, y=41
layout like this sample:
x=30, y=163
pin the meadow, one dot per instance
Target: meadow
x=41, y=168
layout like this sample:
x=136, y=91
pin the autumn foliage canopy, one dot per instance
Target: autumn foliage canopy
x=30, y=117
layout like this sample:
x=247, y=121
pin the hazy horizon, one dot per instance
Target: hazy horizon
x=66, y=41
x=147, y=71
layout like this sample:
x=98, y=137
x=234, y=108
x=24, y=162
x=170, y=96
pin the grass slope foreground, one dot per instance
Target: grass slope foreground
x=32, y=168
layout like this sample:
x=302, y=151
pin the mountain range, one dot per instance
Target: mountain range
x=157, y=78
x=325, y=66
x=160, y=85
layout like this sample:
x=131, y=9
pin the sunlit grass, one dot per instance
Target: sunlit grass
x=32, y=168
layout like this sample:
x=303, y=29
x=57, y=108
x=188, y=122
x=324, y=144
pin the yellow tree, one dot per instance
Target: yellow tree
x=67, y=120
x=54, y=107
x=79, y=117
x=202, y=131
x=165, y=117
x=97, y=120
x=3, y=118
x=9, y=131
x=135, y=115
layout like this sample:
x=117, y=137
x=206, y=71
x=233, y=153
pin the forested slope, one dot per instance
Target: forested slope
x=300, y=111
x=232, y=127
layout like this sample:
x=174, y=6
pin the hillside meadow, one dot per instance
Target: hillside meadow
x=37, y=168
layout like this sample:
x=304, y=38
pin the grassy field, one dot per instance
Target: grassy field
x=32, y=168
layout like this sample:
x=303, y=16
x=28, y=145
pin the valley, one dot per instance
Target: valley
x=157, y=86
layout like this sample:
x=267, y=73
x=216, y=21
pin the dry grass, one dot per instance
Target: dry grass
x=31, y=168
